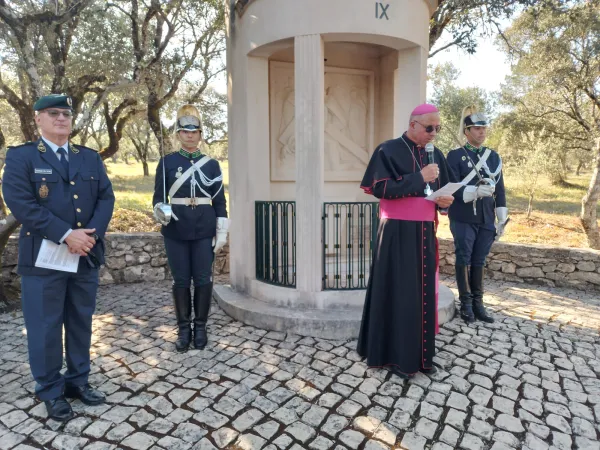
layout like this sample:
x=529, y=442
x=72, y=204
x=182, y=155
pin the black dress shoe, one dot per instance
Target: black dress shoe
x=429, y=371
x=404, y=376
x=86, y=394
x=59, y=409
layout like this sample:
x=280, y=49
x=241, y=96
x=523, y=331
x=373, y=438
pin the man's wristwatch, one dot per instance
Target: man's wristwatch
x=95, y=236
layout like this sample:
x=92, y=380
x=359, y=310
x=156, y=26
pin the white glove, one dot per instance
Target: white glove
x=502, y=217
x=220, y=239
x=472, y=193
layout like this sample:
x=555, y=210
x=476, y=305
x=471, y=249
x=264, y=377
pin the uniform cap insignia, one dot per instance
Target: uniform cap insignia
x=44, y=191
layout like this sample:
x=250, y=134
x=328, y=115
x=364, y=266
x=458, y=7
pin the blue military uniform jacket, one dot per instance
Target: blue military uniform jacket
x=462, y=161
x=48, y=202
x=196, y=222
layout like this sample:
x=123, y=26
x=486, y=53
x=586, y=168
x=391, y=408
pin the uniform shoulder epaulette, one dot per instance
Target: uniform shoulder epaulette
x=10, y=147
x=83, y=147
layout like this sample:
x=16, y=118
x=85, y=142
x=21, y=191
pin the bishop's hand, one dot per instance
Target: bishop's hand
x=430, y=172
x=444, y=201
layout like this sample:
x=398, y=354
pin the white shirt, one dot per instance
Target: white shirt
x=55, y=148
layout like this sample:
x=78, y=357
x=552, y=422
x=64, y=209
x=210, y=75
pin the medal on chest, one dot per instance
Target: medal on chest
x=178, y=174
x=44, y=191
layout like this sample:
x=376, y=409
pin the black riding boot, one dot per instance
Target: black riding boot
x=202, y=299
x=477, y=291
x=464, y=293
x=182, y=298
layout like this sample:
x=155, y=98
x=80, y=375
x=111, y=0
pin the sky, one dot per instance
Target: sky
x=486, y=69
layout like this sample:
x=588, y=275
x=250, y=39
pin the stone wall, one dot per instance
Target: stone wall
x=130, y=258
x=535, y=264
x=140, y=257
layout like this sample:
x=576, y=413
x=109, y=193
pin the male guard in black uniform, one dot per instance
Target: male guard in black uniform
x=195, y=229
x=479, y=214
x=60, y=193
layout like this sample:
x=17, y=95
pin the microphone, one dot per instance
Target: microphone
x=429, y=149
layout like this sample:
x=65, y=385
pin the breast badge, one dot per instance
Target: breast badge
x=178, y=174
x=44, y=191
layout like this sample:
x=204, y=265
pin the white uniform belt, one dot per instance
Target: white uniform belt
x=191, y=201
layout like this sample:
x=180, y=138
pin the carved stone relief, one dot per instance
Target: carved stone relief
x=348, y=122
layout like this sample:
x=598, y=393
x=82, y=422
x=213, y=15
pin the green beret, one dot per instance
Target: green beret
x=53, y=101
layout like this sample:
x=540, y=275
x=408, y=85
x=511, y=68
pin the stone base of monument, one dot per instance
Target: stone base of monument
x=338, y=323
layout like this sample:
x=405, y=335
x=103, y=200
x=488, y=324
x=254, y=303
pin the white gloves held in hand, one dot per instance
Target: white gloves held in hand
x=472, y=193
x=220, y=239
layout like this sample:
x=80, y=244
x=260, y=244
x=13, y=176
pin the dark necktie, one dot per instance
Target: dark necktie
x=63, y=159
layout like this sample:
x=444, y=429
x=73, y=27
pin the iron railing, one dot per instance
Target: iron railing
x=275, y=227
x=349, y=235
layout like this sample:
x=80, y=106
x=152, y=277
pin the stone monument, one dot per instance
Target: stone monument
x=313, y=87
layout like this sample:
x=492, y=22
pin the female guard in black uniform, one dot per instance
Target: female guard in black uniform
x=195, y=226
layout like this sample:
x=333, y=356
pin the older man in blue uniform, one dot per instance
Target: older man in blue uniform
x=59, y=192
x=479, y=214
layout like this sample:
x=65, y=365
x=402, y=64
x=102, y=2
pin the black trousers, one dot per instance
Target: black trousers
x=190, y=260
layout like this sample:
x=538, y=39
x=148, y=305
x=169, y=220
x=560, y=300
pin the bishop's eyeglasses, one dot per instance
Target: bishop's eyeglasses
x=430, y=128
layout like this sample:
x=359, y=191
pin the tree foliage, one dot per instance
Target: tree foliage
x=556, y=87
x=467, y=20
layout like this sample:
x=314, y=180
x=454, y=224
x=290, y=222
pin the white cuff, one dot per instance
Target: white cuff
x=222, y=224
x=66, y=235
x=502, y=214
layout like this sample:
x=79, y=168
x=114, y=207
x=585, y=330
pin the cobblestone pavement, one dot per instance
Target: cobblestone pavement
x=530, y=381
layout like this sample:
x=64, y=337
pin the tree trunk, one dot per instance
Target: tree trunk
x=557, y=178
x=7, y=224
x=145, y=166
x=530, y=204
x=589, y=205
x=6, y=229
x=579, y=167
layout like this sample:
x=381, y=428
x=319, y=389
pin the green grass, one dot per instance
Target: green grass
x=548, y=198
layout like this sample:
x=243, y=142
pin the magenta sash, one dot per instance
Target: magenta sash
x=410, y=208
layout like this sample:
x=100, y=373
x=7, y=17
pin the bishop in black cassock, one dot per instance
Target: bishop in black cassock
x=400, y=312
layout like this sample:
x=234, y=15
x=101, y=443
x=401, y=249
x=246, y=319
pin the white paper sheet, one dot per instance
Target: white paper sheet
x=445, y=191
x=57, y=257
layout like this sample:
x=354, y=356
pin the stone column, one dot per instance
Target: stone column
x=310, y=142
x=410, y=85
